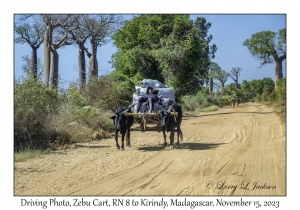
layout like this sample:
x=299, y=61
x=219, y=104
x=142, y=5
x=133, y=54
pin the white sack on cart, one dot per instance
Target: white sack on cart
x=152, y=83
x=162, y=93
x=165, y=94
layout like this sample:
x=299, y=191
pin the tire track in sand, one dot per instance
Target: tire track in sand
x=116, y=183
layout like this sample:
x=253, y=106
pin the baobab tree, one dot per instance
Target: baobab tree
x=56, y=36
x=79, y=36
x=100, y=27
x=235, y=73
x=269, y=46
x=32, y=34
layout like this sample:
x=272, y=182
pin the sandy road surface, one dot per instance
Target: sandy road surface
x=239, y=151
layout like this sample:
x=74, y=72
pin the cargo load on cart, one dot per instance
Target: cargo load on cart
x=146, y=111
x=166, y=96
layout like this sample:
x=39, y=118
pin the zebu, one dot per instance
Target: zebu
x=123, y=124
x=170, y=122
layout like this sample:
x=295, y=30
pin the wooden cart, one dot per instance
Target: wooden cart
x=143, y=119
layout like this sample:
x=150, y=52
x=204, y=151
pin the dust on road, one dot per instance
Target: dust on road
x=239, y=151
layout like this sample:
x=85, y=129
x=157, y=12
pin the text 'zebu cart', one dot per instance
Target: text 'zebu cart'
x=145, y=113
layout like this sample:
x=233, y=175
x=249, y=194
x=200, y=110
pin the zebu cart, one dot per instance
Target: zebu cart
x=143, y=118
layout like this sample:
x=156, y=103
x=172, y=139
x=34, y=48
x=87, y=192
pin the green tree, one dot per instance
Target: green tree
x=248, y=90
x=257, y=88
x=170, y=48
x=269, y=47
x=212, y=74
x=137, y=45
x=222, y=76
x=203, y=27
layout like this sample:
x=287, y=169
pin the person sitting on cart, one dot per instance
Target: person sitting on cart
x=151, y=96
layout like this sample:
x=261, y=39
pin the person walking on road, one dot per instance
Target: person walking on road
x=232, y=102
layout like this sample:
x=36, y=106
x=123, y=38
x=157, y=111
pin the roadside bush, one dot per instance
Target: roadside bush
x=257, y=98
x=280, y=97
x=201, y=98
x=189, y=103
x=108, y=92
x=82, y=130
x=265, y=96
x=34, y=106
x=209, y=109
x=77, y=106
x=212, y=99
x=281, y=89
x=223, y=100
x=77, y=120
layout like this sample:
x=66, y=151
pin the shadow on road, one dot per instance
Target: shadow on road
x=197, y=146
x=188, y=146
x=89, y=146
x=152, y=148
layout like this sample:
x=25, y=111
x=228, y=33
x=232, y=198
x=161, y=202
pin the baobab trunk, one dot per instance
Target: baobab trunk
x=93, y=67
x=33, y=63
x=211, y=85
x=93, y=63
x=81, y=67
x=278, y=70
x=53, y=76
x=46, y=59
x=236, y=82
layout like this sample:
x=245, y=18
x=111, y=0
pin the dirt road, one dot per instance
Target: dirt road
x=239, y=151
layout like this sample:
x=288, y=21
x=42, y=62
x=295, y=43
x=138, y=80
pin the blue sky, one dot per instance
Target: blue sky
x=228, y=31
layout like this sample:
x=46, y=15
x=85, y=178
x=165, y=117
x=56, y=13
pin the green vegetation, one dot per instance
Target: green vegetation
x=34, y=106
x=269, y=47
x=170, y=48
x=261, y=91
x=46, y=119
x=278, y=98
x=28, y=154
